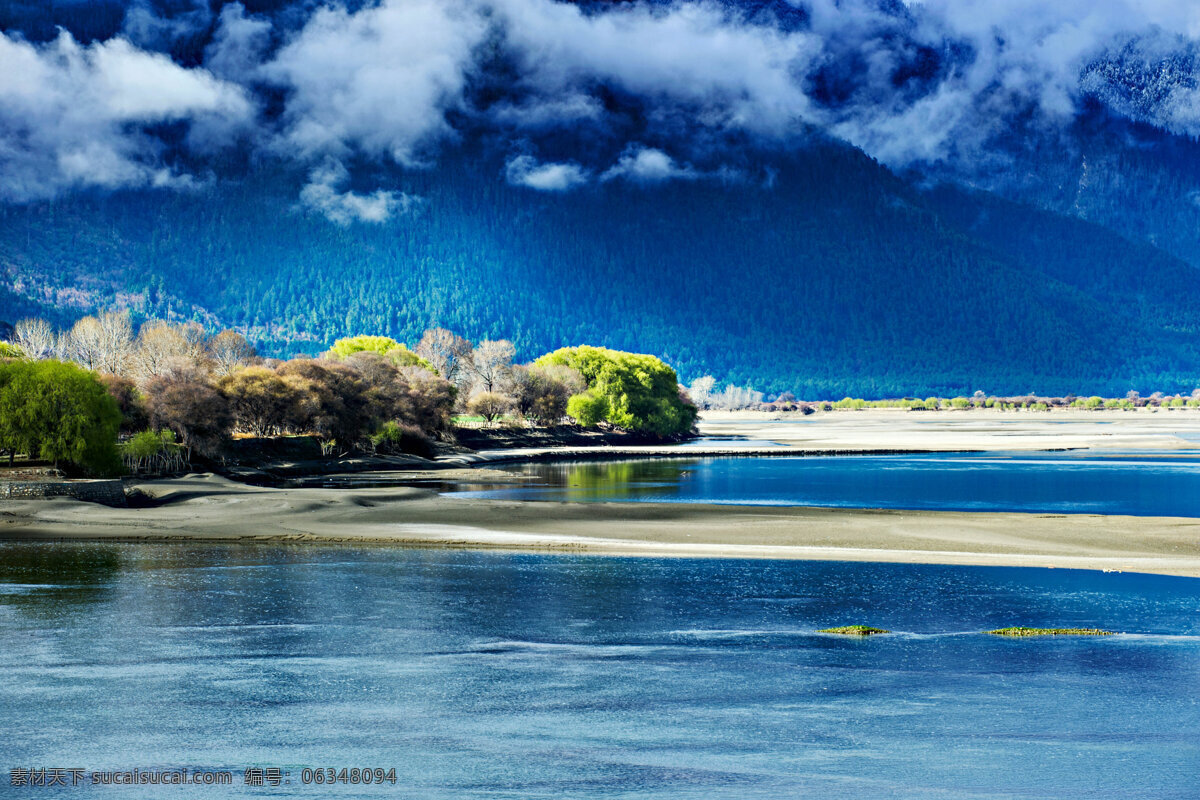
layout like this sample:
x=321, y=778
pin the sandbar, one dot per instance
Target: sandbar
x=206, y=507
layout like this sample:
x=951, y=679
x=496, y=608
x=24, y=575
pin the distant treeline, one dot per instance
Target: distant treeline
x=100, y=395
x=735, y=398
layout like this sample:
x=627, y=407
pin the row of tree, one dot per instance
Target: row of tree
x=366, y=393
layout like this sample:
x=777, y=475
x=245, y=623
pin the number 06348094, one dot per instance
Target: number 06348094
x=356, y=775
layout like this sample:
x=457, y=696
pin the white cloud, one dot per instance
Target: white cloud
x=550, y=177
x=345, y=207
x=733, y=73
x=74, y=116
x=378, y=81
x=648, y=165
x=1011, y=57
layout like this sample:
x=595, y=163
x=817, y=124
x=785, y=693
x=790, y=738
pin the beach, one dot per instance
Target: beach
x=209, y=507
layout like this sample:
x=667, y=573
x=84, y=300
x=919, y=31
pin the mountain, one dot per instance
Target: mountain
x=819, y=272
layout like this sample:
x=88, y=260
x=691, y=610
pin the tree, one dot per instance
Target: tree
x=640, y=392
x=132, y=404
x=162, y=347
x=588, y=408
x=191, y=407
x=733, y=398
x=447, y=352
x=116, y=341
x=101, y=343
x=229, y=351
x=333, y=400
x=409, y=395
x=541, y=393
x=490, y=364
x=396, y=352
x=261, y=401
x=430, y=400
x=58, y=412
x=153, y=452
x=82, y=343
x=701, y=389
x=36, y=337
x=490, y=405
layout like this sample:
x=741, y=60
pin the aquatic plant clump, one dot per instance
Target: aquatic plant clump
x=854, y=630
x=1019, y=632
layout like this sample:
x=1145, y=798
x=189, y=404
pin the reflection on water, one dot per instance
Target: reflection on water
x=1142, y=484
x=38, y=578
x=502, y=675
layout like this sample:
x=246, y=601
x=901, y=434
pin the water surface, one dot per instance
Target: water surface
x=517, y=676
x=1143, y=484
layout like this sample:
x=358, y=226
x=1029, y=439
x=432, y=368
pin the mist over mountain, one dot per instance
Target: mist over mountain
x=855, y=196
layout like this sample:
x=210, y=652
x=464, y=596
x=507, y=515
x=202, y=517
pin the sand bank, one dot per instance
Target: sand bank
x=983, y=429
x=206, y=507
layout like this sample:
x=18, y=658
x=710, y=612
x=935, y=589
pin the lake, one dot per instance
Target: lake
x=519, y=675
x=1158, y=483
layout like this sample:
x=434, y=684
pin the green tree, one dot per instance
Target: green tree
x=640, y=392
x=396, y=352
x=58, y=412
x=587, y=408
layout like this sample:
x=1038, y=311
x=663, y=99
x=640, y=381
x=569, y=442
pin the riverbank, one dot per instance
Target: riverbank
x=210, y=508
x=960, y=430
x=297, y=460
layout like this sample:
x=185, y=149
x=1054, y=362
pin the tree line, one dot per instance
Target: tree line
x=171, y=391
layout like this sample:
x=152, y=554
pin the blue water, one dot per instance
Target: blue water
x=1142, y=484
x=519, y=676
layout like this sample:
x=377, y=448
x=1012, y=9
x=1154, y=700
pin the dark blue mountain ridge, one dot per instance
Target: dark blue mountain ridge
x=836, y=277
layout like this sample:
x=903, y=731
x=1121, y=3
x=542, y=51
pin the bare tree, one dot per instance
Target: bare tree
x=116, y=342
x=36, y=338
x=163, y=348
x=229, y=351
x=701, y=390
x=491, y=364
x=540, y=393
x=84, y=342
x=447, y=352
x=734, y=398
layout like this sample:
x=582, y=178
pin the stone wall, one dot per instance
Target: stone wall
x=105, y=492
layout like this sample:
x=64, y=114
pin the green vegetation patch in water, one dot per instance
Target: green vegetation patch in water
x=854, y=630
x=1019, y=632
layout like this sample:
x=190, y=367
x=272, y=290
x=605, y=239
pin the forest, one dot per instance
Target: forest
x=818, y=273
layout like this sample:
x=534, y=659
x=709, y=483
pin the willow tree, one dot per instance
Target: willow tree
x=629, y=390
x=60, y=413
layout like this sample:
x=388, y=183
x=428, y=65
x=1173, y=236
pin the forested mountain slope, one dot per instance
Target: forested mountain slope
x=821, y=273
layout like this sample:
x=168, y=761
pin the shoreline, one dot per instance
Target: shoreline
x=331, y=508
x=207, y=508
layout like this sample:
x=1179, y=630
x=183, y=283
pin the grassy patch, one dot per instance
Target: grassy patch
x=1019, y=632
x=854, y=630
